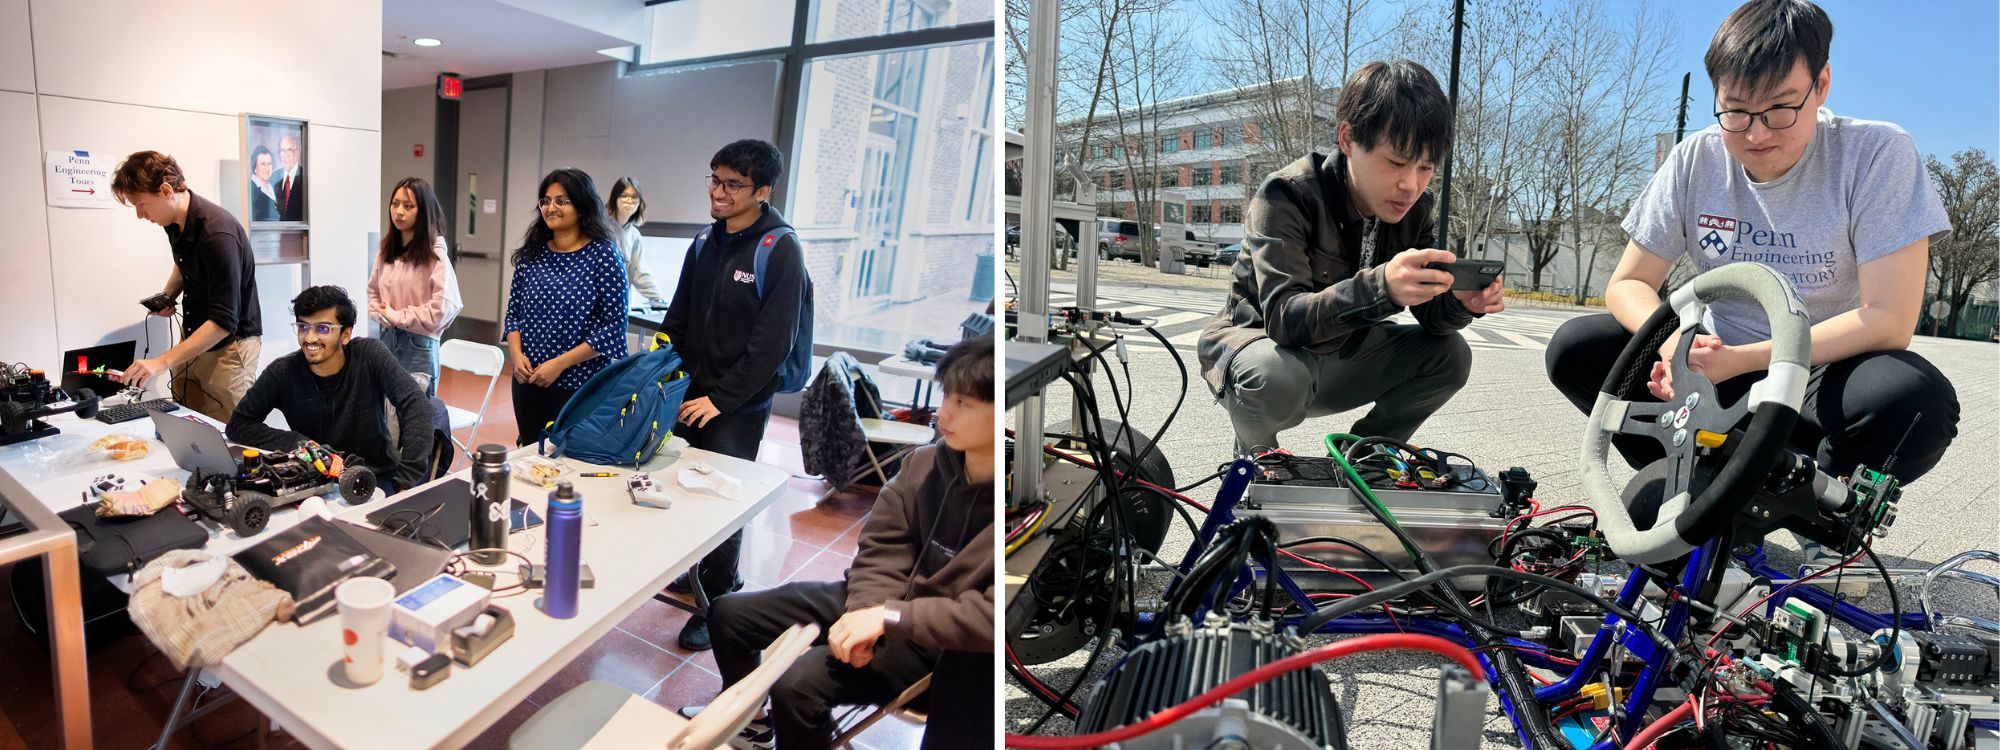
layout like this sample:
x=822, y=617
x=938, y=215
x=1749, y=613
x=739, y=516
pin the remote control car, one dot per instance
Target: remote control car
x=267, y=480
x=26, y=396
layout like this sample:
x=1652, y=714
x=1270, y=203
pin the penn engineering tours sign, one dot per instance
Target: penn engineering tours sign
x=78, y=180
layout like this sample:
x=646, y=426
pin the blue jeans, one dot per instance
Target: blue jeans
x=416, y=352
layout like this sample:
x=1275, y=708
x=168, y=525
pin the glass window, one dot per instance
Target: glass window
x=1199, y=213
x=1232, y=136
x=890, y=192
x=1204, y=139
x=850, y=19
x=1169, y=144
x=686, y=31
x=1203, y=175
x=1232, y=213
x=1231, y=174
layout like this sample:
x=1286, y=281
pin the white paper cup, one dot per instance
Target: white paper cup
x=364, y=626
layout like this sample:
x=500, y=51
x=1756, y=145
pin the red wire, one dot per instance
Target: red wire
x=1036, y=684
x=1780, y=590
x=1361, y=645
x=1317, y=565
x=1645, y=737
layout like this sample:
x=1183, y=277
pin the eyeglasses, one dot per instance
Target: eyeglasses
x=318, y=328
x=560, y=200
x=734, y=186
x=1775, y=118
x=628, y=199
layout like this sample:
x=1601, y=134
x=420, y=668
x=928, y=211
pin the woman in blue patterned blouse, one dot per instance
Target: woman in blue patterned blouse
x=566, y=312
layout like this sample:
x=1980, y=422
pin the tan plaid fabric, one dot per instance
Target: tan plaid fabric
x=197, y=631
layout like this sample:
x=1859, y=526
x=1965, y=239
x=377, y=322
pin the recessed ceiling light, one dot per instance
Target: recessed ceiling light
x=427, y=42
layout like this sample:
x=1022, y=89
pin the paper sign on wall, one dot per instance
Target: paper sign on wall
x=491, y=206
x=78, y=180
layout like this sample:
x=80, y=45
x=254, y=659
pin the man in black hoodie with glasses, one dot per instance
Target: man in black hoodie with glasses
x=734, y=330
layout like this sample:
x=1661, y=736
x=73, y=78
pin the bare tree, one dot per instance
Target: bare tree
x=1970, y=256
x=1605, y=87
x=1148, y=71
x=1542, y=200
x=1498, y=131
x=1287, y=56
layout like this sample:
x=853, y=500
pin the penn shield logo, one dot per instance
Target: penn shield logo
x=1714, y=241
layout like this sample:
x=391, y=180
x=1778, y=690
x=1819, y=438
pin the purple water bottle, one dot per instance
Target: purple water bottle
x=565, y=538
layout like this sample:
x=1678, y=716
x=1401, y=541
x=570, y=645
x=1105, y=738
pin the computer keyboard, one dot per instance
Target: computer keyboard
x=135, y=410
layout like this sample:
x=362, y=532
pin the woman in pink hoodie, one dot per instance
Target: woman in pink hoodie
x=413, y=293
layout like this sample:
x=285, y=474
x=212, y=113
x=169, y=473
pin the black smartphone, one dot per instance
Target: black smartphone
x=1471, y=275
x=523, y=518
x=157, y=303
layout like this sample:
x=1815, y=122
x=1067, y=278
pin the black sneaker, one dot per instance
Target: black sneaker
x=756, y=735
x=682, y=587
x=694, y=635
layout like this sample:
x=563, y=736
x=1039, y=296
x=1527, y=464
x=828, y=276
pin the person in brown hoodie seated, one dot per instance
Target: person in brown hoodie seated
x=918, y=600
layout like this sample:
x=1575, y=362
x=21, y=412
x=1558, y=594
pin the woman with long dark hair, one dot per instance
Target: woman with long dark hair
x=628, y=211
x=412, y=292
x=566, y=311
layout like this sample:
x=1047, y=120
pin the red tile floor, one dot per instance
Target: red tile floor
x=800, y=538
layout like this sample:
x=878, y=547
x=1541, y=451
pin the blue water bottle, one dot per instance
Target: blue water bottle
x=565, y=541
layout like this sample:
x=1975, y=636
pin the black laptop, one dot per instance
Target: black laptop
x=79, y=367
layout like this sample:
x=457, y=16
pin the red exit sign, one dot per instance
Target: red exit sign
x=450, y=87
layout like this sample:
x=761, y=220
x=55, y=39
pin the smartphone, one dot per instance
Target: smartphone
x=1471, y=275
x=523, y=518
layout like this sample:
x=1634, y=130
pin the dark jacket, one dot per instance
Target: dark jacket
x=218, y=272
x=731, y=342
x=343, y=412
x=927, y=551
x=1299, y=279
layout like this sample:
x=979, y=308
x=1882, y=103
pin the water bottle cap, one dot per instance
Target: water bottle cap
x=492, y=453
x=565, y=497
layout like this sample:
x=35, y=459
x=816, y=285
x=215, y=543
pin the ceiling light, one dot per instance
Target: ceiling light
x=425, y=41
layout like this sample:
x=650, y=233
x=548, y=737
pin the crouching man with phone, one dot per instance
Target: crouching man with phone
x=1328, y=258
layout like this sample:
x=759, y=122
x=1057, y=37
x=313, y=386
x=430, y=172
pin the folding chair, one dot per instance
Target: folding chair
x=598, y=715
x=897, y=708
x=483, y=360
x=904, y=436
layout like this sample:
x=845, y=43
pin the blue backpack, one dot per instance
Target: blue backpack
x=625, y=413
x=797, y=367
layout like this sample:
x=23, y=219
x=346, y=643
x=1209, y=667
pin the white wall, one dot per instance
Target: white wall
x=661, y=129
x=74, y=276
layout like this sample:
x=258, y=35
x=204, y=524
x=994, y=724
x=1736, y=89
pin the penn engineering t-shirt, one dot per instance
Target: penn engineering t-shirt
x=1859, y=193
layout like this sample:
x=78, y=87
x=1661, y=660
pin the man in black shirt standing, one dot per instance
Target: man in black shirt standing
x=332, y=390
x=733, y=330
x=214, y=276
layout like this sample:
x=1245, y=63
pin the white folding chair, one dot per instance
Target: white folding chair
x=483, y=360
x=598, y=715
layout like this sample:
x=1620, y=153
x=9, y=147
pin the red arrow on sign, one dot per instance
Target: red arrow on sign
x=92, y=191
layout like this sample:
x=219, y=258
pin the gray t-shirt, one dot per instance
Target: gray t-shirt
x=1859, y=192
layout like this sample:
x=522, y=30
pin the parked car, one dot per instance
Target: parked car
x=1226, y=255
x=1060, y=239
x=1117, y=238
x=1995, y=335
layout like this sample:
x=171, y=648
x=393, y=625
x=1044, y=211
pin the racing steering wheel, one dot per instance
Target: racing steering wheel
x=1694, y=425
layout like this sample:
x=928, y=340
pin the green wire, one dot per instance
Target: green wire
x=1332, y=449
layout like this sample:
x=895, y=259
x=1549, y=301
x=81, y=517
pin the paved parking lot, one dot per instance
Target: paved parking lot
x=1508, y=415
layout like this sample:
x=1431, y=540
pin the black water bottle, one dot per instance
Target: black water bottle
x=490, y=475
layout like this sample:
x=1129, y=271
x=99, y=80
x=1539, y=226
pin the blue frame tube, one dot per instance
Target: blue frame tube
x=1822, y=599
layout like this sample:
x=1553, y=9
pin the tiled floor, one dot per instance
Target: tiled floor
x=800, y=538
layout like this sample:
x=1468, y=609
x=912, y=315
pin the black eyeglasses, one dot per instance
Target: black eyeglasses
x=1775, y=118
x=733, y=186
x=319, y=328
x=560, y=200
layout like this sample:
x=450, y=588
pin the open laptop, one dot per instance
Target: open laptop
x=195, y=444
x=114, y=356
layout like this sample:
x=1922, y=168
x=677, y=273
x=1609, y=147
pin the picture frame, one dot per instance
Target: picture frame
x=277, y=181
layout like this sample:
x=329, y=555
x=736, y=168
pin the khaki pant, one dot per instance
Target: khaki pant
x=217, y=379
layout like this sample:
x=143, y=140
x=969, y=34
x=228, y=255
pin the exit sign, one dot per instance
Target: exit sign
x=450, y=87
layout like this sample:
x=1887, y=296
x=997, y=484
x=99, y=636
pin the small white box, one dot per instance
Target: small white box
x=425, y=615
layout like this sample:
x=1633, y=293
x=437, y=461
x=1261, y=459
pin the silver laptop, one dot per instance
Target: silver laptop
x=195, y=445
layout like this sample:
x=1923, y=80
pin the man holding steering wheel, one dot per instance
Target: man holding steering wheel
x=1840, y=208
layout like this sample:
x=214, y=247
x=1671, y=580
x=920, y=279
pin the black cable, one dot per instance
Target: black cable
x=1801, y=716
x=1888, y=650
x=1407, y=588
x=1435, y=600
x=1204, y=480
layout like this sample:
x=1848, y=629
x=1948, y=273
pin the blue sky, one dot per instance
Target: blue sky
x=1931, y=66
